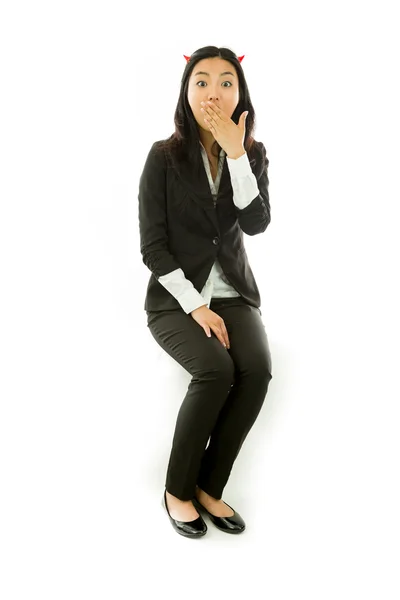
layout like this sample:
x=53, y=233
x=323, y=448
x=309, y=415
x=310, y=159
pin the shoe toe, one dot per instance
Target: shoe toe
x=191, y=528
x=233, y=524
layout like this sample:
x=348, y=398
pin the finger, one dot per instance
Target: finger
x=218, y=112
x=225, y=335
x=210, y=113
x=210, y=125
x=210, y=120
x=219, y=335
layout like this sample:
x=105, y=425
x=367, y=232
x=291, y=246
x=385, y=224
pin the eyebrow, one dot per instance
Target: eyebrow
x=208, y=74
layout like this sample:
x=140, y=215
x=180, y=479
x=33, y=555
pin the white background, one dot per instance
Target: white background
x=89, y=400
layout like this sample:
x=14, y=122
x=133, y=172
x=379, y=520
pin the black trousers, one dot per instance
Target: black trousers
x=224, y=397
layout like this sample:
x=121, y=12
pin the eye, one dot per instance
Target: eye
x=230, y=83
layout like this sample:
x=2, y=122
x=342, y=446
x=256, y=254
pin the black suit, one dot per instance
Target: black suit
x=181, y=228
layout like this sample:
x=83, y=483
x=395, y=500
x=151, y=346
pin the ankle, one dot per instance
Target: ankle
x=201, y=494
x=175, y=499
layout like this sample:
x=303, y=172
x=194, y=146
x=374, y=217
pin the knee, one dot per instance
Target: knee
x=221, y=371
x=261, y=368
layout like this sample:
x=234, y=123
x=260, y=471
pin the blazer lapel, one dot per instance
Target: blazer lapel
x=201, y=192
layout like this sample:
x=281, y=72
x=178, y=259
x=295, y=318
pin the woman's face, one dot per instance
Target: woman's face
x=213, y=79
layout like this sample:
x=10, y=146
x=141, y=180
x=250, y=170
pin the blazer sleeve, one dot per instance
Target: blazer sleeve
x=256, y=216
x=153, y=229
x=153, y=226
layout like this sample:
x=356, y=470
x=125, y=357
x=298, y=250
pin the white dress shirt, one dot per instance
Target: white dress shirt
x=245, y=189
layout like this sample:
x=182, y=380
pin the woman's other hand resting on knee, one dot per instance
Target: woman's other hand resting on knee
x=208, y=319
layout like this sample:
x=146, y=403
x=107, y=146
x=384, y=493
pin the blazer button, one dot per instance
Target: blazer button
x=216, y=241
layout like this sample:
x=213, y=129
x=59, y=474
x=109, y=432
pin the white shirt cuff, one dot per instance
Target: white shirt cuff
x=239, y=167
x=244, y=182
x=190, y=300
x=182, y=289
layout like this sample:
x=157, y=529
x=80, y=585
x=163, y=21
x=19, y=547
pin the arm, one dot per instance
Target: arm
x=183, y=290
x=250, y=192
x=243, y=180
x=154, y=234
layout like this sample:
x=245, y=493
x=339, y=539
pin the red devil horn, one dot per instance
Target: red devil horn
x=240, y=58
x=187, y=58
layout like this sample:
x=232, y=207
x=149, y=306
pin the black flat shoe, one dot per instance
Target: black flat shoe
x=193, y=529
x=233, y=524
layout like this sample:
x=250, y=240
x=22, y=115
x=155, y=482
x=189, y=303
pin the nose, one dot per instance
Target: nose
x=212, y=97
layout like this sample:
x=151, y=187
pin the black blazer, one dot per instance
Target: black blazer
x=181, y=228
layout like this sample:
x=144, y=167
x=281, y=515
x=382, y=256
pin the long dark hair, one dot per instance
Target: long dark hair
x=183, y=144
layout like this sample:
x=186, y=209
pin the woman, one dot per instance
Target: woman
x=199, y=191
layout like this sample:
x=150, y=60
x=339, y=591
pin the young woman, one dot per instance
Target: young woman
x=199, y=191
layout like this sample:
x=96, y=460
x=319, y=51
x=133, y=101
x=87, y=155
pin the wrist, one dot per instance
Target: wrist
x=202, y=306
x=236, y=153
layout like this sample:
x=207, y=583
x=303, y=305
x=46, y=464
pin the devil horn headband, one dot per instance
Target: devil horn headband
x=240, y=58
